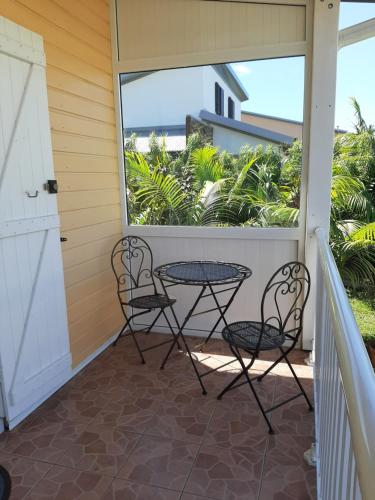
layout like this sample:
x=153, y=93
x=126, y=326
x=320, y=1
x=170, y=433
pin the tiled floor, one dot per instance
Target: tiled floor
x=122, y=430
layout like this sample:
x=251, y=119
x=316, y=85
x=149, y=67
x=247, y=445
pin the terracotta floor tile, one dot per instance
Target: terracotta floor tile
x=243, y=394
x=188, y=496
x=286, y=476
x=160, y=462
x=301, y=368
x=68, y=404
x=143, y=426
x=61, y=483
x=41, y=439
x=181, y=421
x=133, y=413
x=293, y=425
x=181, y=390
x=226, y=473
x=100, y=448
x=126, y=490
x=25, y=473
x=287, y=386
x=238, y=426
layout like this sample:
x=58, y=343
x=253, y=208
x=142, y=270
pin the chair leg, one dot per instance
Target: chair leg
x=171, y=329
x=148, y=330
x=311, y=408
x=127, y=323
x=261, y=377
x=229, y=386
x=136, y=344
x=121, y=332
x=245, y=372
x=236, y=378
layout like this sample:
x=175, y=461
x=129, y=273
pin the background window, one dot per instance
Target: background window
x=188, y=164
x=219, y=100
x=230, y=108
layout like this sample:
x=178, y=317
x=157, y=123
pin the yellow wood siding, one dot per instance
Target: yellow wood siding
x=79, y=76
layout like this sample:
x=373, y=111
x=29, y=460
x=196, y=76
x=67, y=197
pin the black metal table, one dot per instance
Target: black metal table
x=214, y=278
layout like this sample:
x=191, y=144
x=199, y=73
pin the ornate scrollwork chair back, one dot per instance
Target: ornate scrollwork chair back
x=132, y=264
x=282, y=306
x=284, y=299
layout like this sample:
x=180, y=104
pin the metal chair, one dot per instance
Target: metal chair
x=5, y=484
x=282, y=307
x=132, y=264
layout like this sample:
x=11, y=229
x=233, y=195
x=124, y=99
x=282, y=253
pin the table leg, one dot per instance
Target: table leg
x=180, y=334
x=222, y=313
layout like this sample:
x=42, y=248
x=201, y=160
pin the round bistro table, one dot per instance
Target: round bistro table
x=213, y=278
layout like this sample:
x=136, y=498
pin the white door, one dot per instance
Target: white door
x=34, y=345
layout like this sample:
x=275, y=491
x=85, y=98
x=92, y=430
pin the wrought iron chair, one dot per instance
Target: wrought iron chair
x=282, y=307
x=132, y=264
x=5, y=484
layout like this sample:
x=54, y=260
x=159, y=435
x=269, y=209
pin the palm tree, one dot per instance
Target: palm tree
x=260, y=187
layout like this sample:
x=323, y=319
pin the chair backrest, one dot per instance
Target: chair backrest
x=285, y=297
x=132, y=263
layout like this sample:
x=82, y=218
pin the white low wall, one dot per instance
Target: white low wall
x=263, y=252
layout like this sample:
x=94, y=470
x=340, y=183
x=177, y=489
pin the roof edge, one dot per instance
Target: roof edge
x=227, y=73
x=271, y=117
x=245, y=128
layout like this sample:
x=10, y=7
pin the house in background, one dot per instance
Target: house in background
x=292, y=128
x=175, y=103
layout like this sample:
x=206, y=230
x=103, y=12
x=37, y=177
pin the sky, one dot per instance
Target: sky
x=275, y=87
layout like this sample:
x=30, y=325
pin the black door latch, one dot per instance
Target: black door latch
x=51, y=186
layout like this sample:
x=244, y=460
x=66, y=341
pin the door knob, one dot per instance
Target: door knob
x=63, y=239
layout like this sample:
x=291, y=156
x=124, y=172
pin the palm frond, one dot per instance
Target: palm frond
x=364, y=233
x=159, y=191
x=206, y=166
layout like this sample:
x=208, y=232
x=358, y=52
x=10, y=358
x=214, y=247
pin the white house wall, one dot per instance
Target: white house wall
x=210, y=76
x=232, y=141
x=162, y=98
x=165, y=97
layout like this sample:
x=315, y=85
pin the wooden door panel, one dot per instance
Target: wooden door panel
x=34, y=343
x=25, y=152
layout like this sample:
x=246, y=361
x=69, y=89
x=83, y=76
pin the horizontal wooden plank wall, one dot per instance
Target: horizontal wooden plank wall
x=206, y=32
x=79, y=75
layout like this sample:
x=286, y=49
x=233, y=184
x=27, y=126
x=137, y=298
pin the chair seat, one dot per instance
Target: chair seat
x=245, y=334
x=151, y=302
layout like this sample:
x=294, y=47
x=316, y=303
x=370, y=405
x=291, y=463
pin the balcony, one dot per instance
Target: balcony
x=87, y=421
x=126, y=430
x=120, y=429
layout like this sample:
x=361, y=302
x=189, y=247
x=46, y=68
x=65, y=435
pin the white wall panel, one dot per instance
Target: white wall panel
x=263, y=257
x=154, y=34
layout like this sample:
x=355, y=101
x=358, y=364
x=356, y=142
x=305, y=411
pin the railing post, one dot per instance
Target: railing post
x=320, y=138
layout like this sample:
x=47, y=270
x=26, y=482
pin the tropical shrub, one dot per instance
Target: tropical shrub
x=260, y=187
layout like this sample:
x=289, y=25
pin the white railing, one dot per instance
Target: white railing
x=344, y=392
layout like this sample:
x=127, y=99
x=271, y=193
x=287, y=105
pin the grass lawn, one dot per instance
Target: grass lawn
x=364, y=311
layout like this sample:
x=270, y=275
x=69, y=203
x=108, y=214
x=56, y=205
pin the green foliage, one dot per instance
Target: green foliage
x=259, y=187
x=363, y=305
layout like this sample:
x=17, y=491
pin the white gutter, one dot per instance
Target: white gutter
x=357, y=33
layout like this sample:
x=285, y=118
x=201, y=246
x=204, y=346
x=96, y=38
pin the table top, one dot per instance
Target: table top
x=200, y=272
